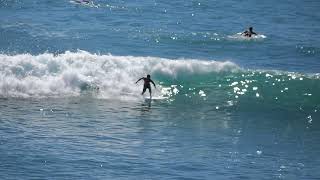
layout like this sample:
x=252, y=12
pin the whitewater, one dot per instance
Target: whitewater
x=225, y=106
x=68, y=74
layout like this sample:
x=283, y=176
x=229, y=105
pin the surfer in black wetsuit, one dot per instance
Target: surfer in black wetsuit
x=249, y=33
x=146, y=84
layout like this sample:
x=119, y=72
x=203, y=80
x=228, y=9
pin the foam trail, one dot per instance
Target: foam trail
x=240, y=37
x=106, y=76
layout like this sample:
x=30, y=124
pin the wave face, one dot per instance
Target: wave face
x=187, y=81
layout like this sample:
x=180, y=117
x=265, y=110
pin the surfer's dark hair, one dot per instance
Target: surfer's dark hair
x=148, y=75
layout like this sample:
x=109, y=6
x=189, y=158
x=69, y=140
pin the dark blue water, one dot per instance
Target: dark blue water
x=225, y=107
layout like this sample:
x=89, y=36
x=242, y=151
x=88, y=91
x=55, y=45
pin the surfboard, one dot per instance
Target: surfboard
x=240, y=36
x=155, y=98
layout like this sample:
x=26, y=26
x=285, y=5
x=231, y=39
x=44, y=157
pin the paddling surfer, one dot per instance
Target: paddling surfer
x=249, y=33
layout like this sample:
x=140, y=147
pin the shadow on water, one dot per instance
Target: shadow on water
x=146, y=106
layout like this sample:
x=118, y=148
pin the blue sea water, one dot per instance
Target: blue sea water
x=225, y=107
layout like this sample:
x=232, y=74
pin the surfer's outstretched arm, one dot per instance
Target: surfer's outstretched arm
x=139, y=80
x=153, y=83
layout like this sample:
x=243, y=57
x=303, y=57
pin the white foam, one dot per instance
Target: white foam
x=240, y=37
x=73, y=73
x=85, y=3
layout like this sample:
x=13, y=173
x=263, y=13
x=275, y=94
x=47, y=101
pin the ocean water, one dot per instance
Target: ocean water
x=225, y=106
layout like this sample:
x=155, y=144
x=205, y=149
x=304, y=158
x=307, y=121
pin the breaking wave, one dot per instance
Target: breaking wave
x=215, y=84
x=76, y=73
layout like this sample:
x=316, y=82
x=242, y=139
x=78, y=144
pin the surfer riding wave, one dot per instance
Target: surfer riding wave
x=146, y=84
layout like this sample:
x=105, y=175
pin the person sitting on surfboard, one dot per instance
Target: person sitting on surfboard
x=146, y=84
x=249, y=33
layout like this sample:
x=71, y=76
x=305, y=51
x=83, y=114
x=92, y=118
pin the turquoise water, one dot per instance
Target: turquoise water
x=225, y=107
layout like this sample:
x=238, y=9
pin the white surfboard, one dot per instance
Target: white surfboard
x=240, y=36
x=155, y=98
